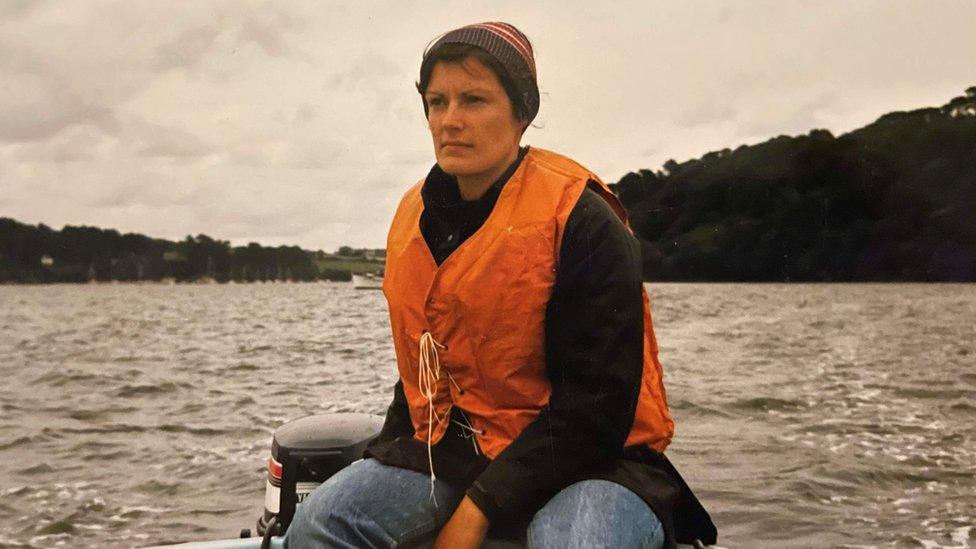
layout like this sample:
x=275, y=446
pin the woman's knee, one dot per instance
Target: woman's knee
x=371, y=504
x=595, y=513
x=337, y=506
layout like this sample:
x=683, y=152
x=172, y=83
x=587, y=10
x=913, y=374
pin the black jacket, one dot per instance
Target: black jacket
x=594, y=339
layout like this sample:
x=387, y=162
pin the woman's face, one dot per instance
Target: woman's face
x=476, y=135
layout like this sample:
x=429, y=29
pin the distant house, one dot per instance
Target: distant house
x=375, y=254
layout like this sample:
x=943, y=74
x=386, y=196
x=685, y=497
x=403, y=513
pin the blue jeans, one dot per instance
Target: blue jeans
x=369, y=504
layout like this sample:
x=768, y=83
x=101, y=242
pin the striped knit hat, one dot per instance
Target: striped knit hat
x=505, y=43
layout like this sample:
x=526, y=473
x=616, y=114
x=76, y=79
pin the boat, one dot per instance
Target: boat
x=304, y=453
x=367, y=281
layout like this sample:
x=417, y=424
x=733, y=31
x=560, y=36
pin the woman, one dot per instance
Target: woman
x=530, y=399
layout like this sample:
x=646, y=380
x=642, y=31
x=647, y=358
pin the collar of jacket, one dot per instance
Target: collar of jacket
x=441, y=190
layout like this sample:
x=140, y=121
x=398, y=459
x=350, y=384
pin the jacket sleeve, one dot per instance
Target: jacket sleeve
x=397, y=423
x=594, y=347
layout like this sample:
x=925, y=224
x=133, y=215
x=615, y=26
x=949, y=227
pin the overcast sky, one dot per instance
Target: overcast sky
x=298, y=123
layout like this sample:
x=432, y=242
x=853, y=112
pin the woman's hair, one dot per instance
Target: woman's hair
x=457, y=53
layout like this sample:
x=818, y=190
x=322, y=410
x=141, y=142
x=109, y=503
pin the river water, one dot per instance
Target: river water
x=807, y=415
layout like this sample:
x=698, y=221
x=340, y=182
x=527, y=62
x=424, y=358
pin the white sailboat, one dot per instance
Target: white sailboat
x=367, y=281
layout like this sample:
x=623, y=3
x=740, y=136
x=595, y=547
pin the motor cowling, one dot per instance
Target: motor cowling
x=304, y=453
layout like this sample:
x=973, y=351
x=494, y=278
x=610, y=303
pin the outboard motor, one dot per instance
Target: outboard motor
x=304, y=453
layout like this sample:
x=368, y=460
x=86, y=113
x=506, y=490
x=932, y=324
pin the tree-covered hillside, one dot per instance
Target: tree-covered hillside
x=891, y=201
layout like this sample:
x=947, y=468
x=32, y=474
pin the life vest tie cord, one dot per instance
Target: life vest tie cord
x=429, y=372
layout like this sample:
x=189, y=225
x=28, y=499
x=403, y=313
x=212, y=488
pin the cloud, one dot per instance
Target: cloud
x=149, y=190
x=158, y=141
x=15, y=9
x=186, y=49
x=78, y=143
x=36, y=106
x=711, y=111
x=267, y=30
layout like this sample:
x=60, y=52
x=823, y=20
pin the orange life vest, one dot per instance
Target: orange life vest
x=470, y=333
